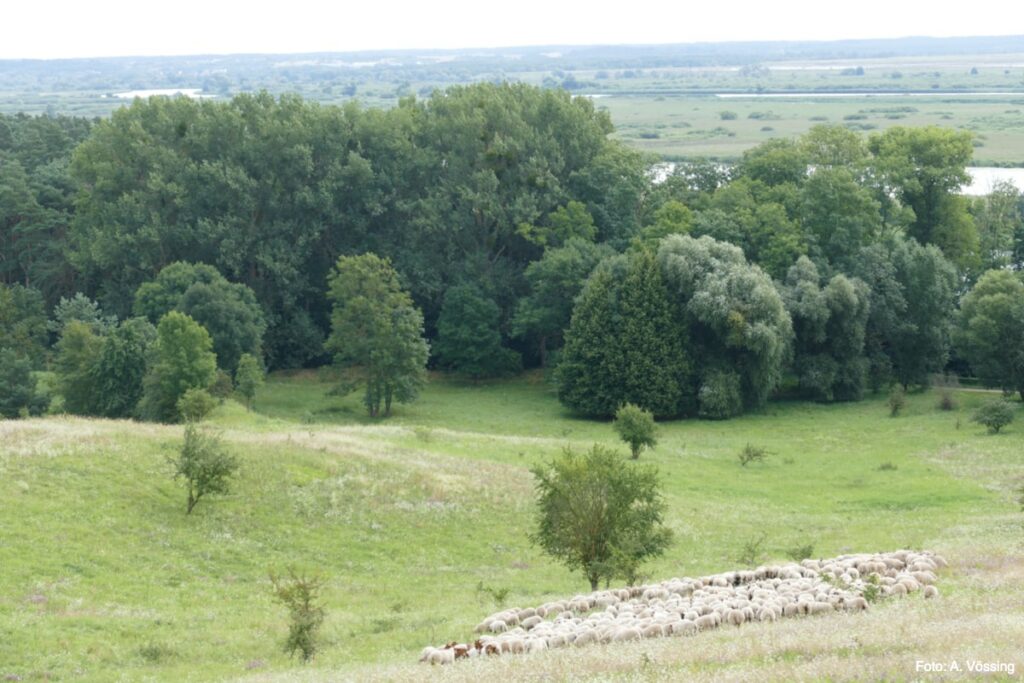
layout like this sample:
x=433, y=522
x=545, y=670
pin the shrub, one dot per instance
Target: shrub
x=750, y=554
x=250, y=378
x=994, y=414
x=597, y=513
x=720, y=396
x=945, y=385
x=203, y=464
x=801, y=552
x=751, y=454
x=300, y=595
x=222, y=386
x=728, y=115
x=195, y=405
x=897, y=400
x=635, y=426
x=181, y=359
x=18, y=395
x=498, y=594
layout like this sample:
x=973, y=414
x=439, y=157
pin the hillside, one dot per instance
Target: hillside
x=412, y=519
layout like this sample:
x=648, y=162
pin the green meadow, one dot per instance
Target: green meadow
x=418, y=521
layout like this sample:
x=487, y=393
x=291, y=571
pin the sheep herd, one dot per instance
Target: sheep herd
x=686, y=606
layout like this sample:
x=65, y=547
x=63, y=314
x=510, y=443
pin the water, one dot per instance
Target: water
x=893, y=93
x=983, y=178
x=194, y=93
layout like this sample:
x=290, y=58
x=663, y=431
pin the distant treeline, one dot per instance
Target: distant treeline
x=494, y=204
x=229, y=74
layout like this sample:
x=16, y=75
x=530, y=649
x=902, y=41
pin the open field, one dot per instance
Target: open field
x=105, y=578
x=689, y=126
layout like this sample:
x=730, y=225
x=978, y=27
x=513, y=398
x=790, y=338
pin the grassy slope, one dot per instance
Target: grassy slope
x=104, y=576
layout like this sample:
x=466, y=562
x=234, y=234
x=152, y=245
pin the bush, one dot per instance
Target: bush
x=250, y=378
x=222, y=386
x=598, y=513
x=181, y=359
x=750, y=554
x=203, y=464
x=897, y=400
x=994, y=414
x=300, y=595
x=728, y=115
x=720, y=395
x=18, y=395
x=945, y=385
x=801, y=552
x=751, y=454
x=195, y=405
x=635, y=426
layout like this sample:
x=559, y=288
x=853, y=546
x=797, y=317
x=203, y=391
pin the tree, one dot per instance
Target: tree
x=834, y=147
x=203, y=464
x=117, y=373
x=23, y=322
x=181, y=359
x=195, y=404
x=301, y=596
x=734, y=320
x=79, y=308
x=999, y=216
x=838, y=215
x=635, y=426
x=829, y=324
x=920, y=343
x=468, y=340
x=990, y=330
x=228, y=311
x=624, y=344
x=598, y=513
x=376, y=331
x=571, y=221
x=17, y=386
x=248, y=378
x=555, y=281
x=994, y=415
x=925, y=167
x=775, y=162
x=78, y=351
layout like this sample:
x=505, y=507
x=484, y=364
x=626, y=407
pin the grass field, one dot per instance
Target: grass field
x=689, y=126
x=104, y=577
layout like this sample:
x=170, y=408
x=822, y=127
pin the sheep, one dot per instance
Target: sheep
x=626, y=634
x=707, y=621
x=819, y=607
x=437, y=656
x=736, y=617
x=536, y=645
x=530, y=622
x=653, y=631
x=686, y=606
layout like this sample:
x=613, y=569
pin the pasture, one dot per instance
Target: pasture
x=678, y=127
x=419, y=524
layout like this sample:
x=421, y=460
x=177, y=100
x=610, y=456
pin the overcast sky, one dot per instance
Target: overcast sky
x=95, y=28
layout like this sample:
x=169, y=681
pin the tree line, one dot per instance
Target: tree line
x=517, y=232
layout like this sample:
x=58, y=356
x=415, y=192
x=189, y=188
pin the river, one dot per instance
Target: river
x=982, y=177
